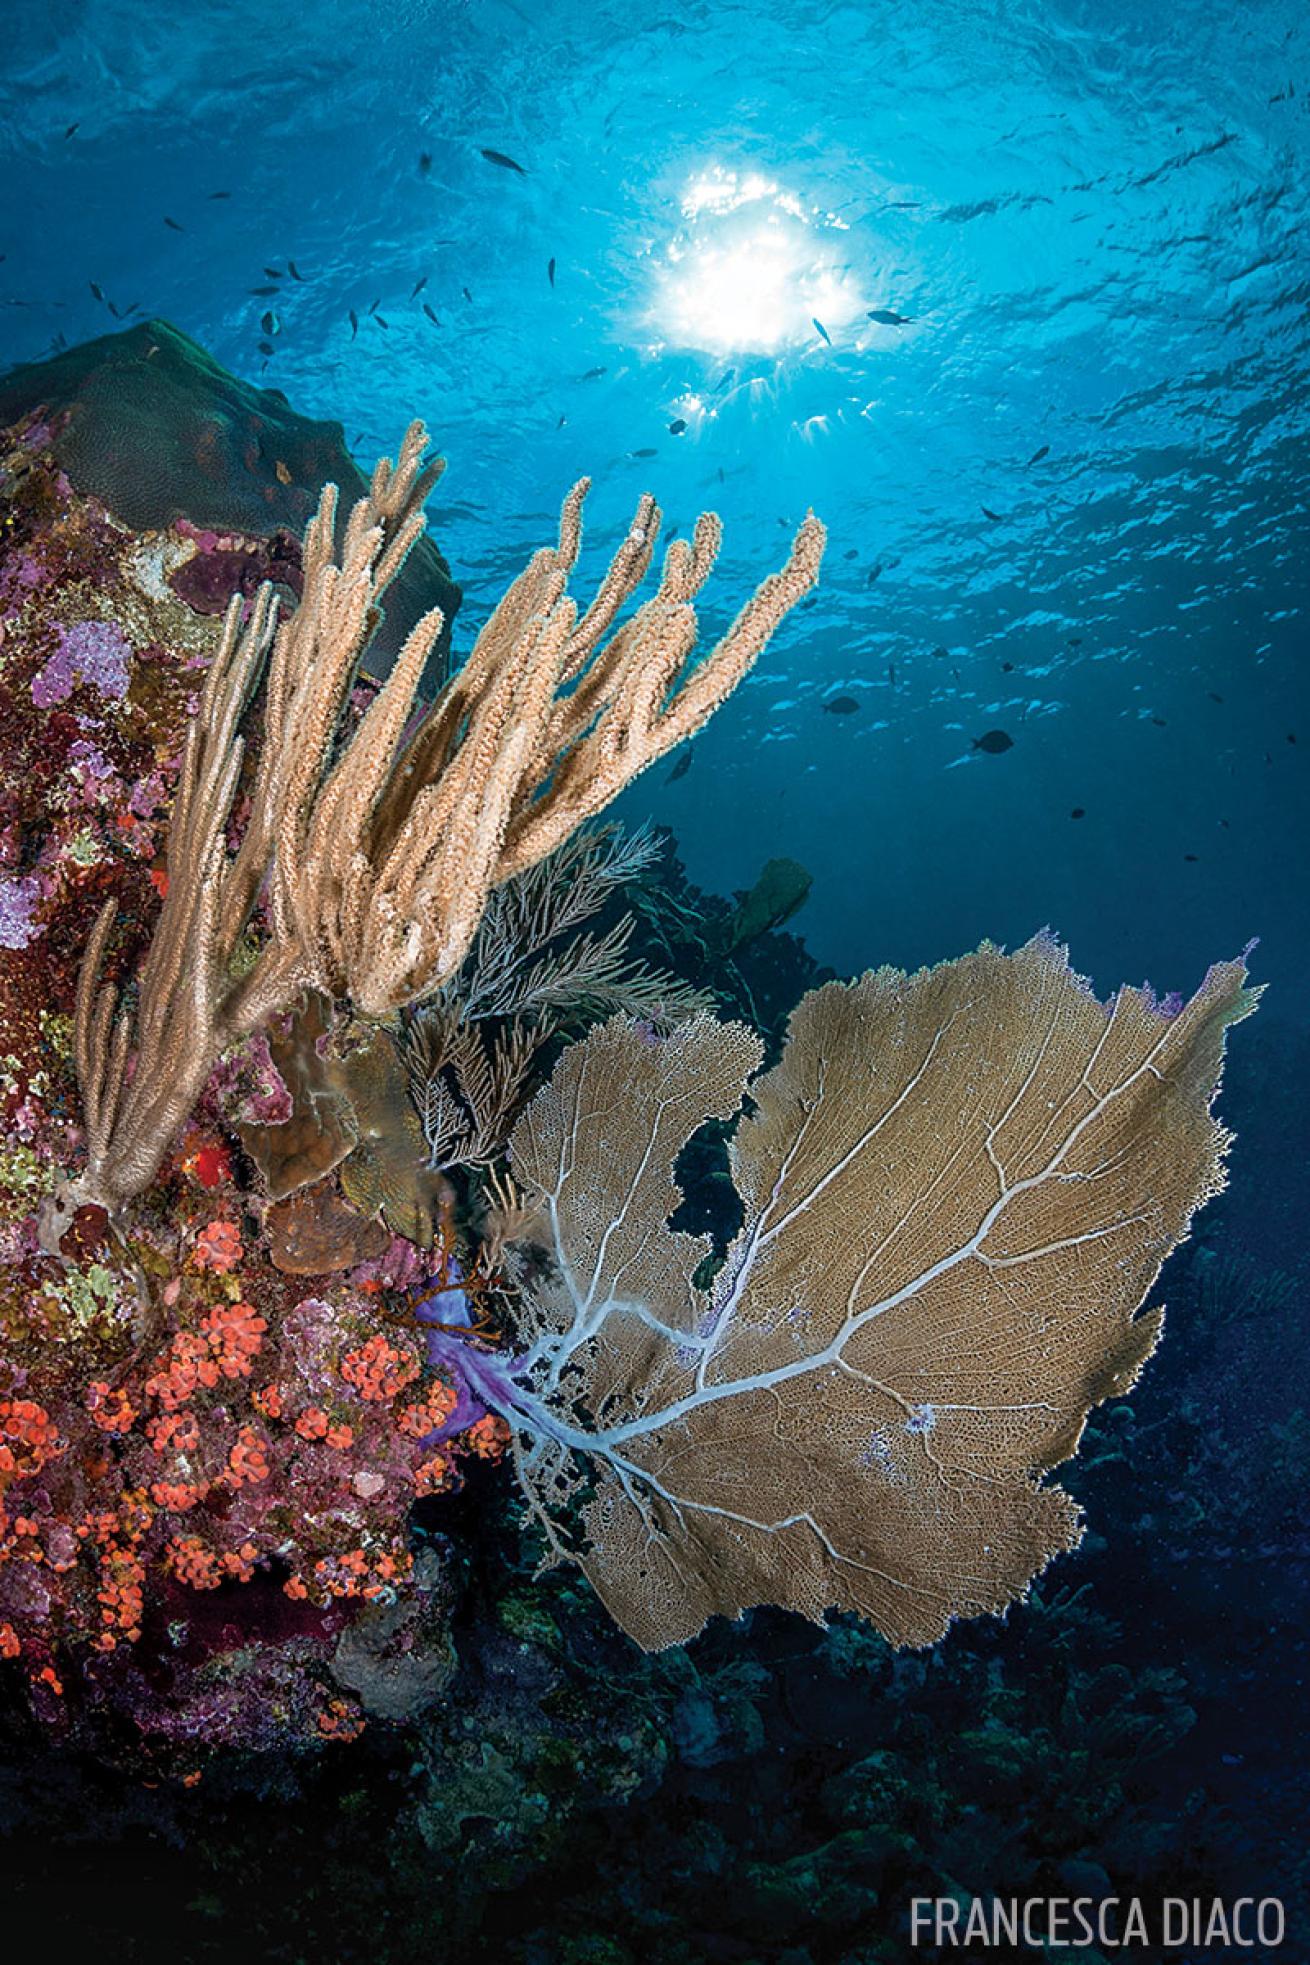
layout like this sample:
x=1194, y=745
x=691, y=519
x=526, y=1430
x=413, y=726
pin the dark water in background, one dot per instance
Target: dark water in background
x=1095, y=216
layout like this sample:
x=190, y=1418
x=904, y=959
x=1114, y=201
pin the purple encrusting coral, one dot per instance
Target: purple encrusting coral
x=246, y=1085
x=445, y=1311
x=18, y=898
x=21, y=575
x=97, y=652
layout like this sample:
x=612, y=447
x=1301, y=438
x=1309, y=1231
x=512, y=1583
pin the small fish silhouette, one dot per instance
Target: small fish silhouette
x=219, y=194
x=987, y=513
x=354, y=324
x=1038, y=455
x=261, y=293
x=431, y=314
x=418, y=287
x=816, y=322
x=273, y=272
x=467, y=295
x=294, y=270
x=677, y=426
x=381, y=323
x=643, y=453
x=841, y=705
x=873, y=573
x=593, y=375
x=72, y=130
x=550, y=271
x=885, y=317
x=994, y=742
x=852, y=552
x=724, y=380
x=1079, y=812
x=270, y=323
x=265, y=347
x=173, y=225
x=424, y=162
x=682, y=767
x=941, y=653
x=97, y=291
x=506, y=163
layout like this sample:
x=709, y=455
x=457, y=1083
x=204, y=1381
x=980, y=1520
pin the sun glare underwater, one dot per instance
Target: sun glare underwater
x=750, y=271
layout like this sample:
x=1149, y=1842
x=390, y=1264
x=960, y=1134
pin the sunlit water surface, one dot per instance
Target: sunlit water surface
x=1065, y=490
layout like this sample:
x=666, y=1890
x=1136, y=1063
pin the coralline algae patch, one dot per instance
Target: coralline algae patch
x=181, y=1424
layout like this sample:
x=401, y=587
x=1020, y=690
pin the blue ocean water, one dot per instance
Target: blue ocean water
x=1092, y=216
x=1065, y=478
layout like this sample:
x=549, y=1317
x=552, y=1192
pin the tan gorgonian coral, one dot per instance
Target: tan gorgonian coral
x=531, y=973
x=958, y=1188
x=377, y=854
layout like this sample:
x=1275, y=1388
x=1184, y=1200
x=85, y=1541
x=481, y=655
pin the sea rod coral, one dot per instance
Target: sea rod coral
x=379, y=860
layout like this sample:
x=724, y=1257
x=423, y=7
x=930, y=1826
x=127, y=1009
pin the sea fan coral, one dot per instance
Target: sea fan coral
x=958, y=1187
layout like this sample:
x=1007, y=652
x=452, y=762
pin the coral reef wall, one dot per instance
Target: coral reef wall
x=157, y=430
x=177, y=1413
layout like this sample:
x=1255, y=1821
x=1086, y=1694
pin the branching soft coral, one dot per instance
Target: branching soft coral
x=532, y=972
x=379, y=856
